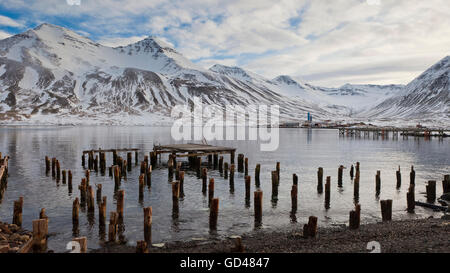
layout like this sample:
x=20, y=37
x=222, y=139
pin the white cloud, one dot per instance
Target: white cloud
x=6, y=21
x=4, y=35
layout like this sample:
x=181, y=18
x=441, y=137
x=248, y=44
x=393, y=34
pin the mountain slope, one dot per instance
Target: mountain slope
x=425, y=98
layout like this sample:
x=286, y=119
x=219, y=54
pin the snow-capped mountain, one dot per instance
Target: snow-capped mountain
x=53, y=73
x=426, y=98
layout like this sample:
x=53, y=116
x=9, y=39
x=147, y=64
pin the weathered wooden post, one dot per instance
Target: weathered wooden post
x=75, y=213
x=232, y=178
x=136, y=158
x=148, y=225
x=215, y=161
x=278, y=170
x=204, y=179
x=102, y=212
x=446, y=184
x=153, y=158
x=378, y=183
x=120, y=203
x=181, y=184
x=355, y=217
x=149, y=176
x=87, y=175
x=114, y=157
x=240, y=163
x=257, y=203
x=47, y=165
x=274, y=186
x=53, y=167
x=232, y=153
x=91, y=202
x=141, y=187
x=83, y=161
x=310, y=229
x=247, y=188
x=294, y=179
x=175, y=198
x=82, y=241
x=257, y=171
x=83, y=190
x=40, y=232
x=225, y=174
x=177, y=171
x=143, y=167
x=320, y=180
x=411, y=198
x=399, y=178
x=96, y=163
x=129, y=160
x=141, y=247
x=340, y=173
x=246, y=166
x=199, y=166
x=214, y=213
x=170, y=166
x=210, y=161
x=116, y=176
x=221, y=165
x=352, y=170
x=412, y=176
x=42, y=214
x=99, y=193
x=294, y=192
x=58, y=171
x=357, y=167
x=210, y=191
x=17, y=213
x=69, y=180
x=327, y=192
x=431, y=191
x=110, y=171
x=113, y=226
x=124, y=169
x=64, y=176
x=386, y=210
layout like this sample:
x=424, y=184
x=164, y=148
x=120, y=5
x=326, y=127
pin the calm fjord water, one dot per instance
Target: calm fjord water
x=301, y=151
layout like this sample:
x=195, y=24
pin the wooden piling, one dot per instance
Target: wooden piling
x=136, y=159
x=431, y=191
x=149, y=176
x=102, y=212
x=141, y=187
x=386, y=210
x=129, y=160
x=399, y=178
x=277, y=168
x=82, y=241
x=141, y=247
x=356, y=187
x=113, y=226
x=214, y=213
x=96, y=163
x=99, y=193
x=412, y=176
x=274, y=186
x=294, y=192
x=170, y=164
x=87, y=175
x=327, y=192
x=40, y=232
x=53, y=167
x=17, y=213
x=247, y=188
x=148, y=225
x=225, y=174
x=58, y=171
x=257, y=171
x=47, y=165
x=310, y=229
x=411, y=198
x=198, y=166
x=215, y=161
x=257, y=203
x=83, y=161
x=352, y=170
x=91, y=202
x=64, y=176
x=221, y=165
x=120, y=203
x=294, y=179
x=181, y=184
x=42, y=214
x=246, y=166
x=240, y=163
x=204, y=179
x=340, y=173
x=232, y=169
x=446, y=184
x=83, y=191
x=210, y=191
x=175, y=198
x=209, y=161
x=320, y=180
x=355, y=217
x=75, y=213
x=378, y=183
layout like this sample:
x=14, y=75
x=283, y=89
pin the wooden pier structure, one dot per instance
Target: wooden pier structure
x=193, y=151
x=394, y=131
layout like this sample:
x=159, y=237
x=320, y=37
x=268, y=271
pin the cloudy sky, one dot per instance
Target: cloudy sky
x=324, y=42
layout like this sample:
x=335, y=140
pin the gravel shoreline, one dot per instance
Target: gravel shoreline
x=422, y=236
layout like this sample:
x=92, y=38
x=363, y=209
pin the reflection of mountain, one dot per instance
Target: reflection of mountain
x=53, y=75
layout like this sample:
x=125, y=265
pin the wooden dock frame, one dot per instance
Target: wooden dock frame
x=385, y=131
x=193, y=150
x=114, y=151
